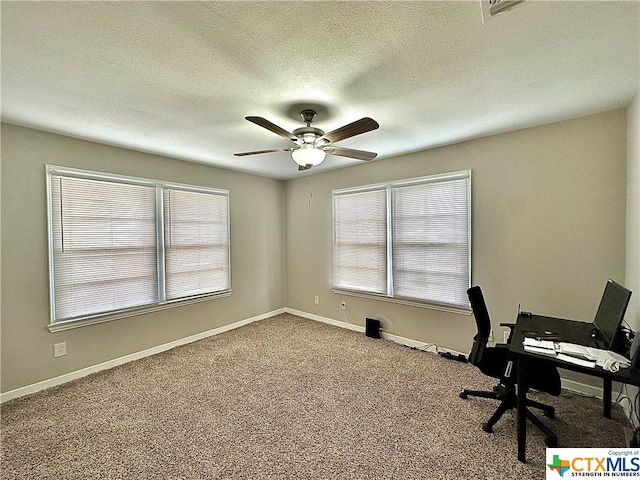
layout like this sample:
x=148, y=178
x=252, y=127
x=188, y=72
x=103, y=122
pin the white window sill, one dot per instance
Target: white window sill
x=83, y=322
x=411, y=303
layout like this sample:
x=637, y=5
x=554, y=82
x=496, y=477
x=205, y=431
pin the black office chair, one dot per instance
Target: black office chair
x=494, y=362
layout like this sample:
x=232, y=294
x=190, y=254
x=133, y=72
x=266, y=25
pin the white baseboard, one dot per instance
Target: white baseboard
x=67, y=377
x=583, y=388
x=340, y=323
x=318, y=318
x=52, y=382
x=572, y=385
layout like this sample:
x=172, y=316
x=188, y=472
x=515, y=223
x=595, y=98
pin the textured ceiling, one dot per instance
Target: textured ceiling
x=178, y=78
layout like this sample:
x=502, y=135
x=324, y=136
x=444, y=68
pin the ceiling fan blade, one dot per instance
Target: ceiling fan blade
x=352, y=129
x=264, y=123
x=256, y=152
x=305, y=167
x=350, y=152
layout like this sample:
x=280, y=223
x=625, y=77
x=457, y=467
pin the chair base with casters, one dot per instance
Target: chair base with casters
x=507, y=398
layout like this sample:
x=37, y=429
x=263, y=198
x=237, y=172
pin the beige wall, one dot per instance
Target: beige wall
x=257, y=257
x=548, y=228
x=633, y=213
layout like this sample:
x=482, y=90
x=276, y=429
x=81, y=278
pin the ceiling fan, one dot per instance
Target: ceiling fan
x=312, y=144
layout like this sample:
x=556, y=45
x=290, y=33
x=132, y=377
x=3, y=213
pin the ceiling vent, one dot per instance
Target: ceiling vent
x=491, y=8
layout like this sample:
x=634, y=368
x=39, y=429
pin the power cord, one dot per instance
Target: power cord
x=624, y=395
x=634, y=416
x=384, y=318
x=635, y=439
x=427, y=347
x=344, y=317
x=443, y=353
x=446, y=354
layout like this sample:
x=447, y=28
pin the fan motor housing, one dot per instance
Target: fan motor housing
x=308, y=133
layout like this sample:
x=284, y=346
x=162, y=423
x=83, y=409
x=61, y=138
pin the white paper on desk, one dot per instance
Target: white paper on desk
x=539, y=344
x=542, y=347
x=606, y=359
x=540, y=350
x=577, y=361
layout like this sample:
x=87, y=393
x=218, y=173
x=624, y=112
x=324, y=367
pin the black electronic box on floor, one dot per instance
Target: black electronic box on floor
x=372, y=328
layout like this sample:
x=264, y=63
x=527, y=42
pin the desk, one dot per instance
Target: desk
x=570, y=331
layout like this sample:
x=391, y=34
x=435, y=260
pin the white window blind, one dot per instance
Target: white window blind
x=360, y=241
x=104, y=246
x=121, y=243
x=409, y=240
x=431, y=241
x=196, y=243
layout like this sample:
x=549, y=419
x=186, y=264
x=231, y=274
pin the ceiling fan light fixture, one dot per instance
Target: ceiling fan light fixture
x=308, y=154
x=313, y=144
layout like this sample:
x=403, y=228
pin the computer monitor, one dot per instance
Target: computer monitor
x=610, y=314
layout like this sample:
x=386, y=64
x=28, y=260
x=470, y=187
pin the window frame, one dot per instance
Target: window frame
x=390, y=296
x=162, y=302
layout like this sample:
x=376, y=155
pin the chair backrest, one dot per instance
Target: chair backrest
x=483, y=324
x=542, y=375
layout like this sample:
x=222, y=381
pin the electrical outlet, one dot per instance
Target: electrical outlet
x=59, y=349
x=317, y=300
x=343, y=306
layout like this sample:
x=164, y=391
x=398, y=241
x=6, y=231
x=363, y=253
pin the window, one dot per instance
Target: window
x=360, y=241
x=408, y=240
x=120, y=243
x=196, y=246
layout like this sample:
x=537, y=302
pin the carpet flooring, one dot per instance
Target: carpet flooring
x=288, y=398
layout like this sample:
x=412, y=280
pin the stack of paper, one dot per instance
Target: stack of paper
x=577, y=354
x=605, y=359
x=545, y=347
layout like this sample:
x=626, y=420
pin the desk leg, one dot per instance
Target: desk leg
x=521, y=405
x=606, y=396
